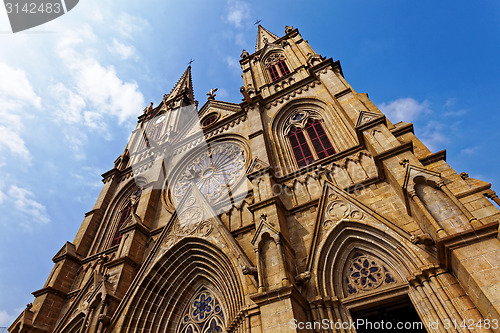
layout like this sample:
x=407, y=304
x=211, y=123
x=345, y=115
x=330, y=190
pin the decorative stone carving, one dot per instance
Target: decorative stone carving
x=203, y=314
x=247, y=270
x=213, y=171
x=366, y=273
x=302, y=277
x=338, y=209
x=424, y=239
x=178, y=232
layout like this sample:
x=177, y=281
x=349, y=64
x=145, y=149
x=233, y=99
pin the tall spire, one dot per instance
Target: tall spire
x=262, y=36
x=182, y=89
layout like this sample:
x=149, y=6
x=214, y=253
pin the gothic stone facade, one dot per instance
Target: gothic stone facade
x=301, y=204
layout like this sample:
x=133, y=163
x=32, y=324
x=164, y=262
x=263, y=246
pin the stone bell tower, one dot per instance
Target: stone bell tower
x=299, y=209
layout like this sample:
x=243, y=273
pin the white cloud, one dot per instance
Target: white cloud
x=128, y=25
x=5, y=319
x=233, y=64
x=16, y=94
x=16, y=86
x=23, y=201
x=240, y=40
x=238, y=12
x=12, y=141
x=71, y=105
x=99, y=86
x=2, y=197
x=404, y=109
x=122, y=50
x=433, y=136
x=469, y=150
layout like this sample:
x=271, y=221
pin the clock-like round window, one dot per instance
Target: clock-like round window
x=210, y=119
x=214, y=171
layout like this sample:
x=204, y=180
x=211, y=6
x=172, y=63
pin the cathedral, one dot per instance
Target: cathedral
x=300, y=209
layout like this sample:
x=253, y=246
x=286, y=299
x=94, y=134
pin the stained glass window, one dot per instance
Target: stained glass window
x=320, y=141
x=274, y=62
x=283, y=67
x=209, y=120
x=203, y=314
x=300, y=148
x=125, y=214
x=123, y=217
x=366, y=273
x=213, y=171
x=273, y=72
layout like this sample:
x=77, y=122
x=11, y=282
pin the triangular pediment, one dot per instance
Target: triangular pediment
x=257, y=167
x=367, y=117
x=264, y=37
x=337, y=206
x=264, y=226
x=67, y=250
x=413, y=171
x=221, y=110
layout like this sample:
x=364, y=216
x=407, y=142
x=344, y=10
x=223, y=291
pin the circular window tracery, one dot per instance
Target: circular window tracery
x=213, y=171
x=203, y=315
x=209, y=120
x=366, y=273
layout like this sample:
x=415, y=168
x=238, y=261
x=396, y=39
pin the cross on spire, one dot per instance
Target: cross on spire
x=190, y=62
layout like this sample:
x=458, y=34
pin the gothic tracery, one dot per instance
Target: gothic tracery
x=203, y=314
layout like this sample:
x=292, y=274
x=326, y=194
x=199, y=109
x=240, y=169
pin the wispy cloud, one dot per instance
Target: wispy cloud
x=24, y=202
x=238, y=11
x=16, y=93
x=6, y=319
x=469, y=151
x=121, y=50
x=233, y=64
x=405, y=109
x=100, y=86
x=434, y=135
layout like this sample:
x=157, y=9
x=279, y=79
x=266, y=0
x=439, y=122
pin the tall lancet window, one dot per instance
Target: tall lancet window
x=203, y=314
x=124, y=214
x=319, y=139
x=123, y=217
x=276, y=66
x=300, y=148
x=304, y=133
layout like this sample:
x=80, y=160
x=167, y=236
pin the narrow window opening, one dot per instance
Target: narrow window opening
x=319, y=139
x=273, y=72
x=125, y=214
x=300, y=147
x=283, y=67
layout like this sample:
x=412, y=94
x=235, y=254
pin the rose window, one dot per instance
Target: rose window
x=366, y=273
x=213, y=171
x=204, y=315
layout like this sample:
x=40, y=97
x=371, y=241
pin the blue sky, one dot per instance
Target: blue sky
x=70, y=92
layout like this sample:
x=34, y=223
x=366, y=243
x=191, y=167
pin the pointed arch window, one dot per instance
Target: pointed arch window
x=276, y=66
x=319, y=139
x=123, y=217
x=203, y=314
x=300, y=148
x=304, y=133
x=283, y=67
x=125, y=213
